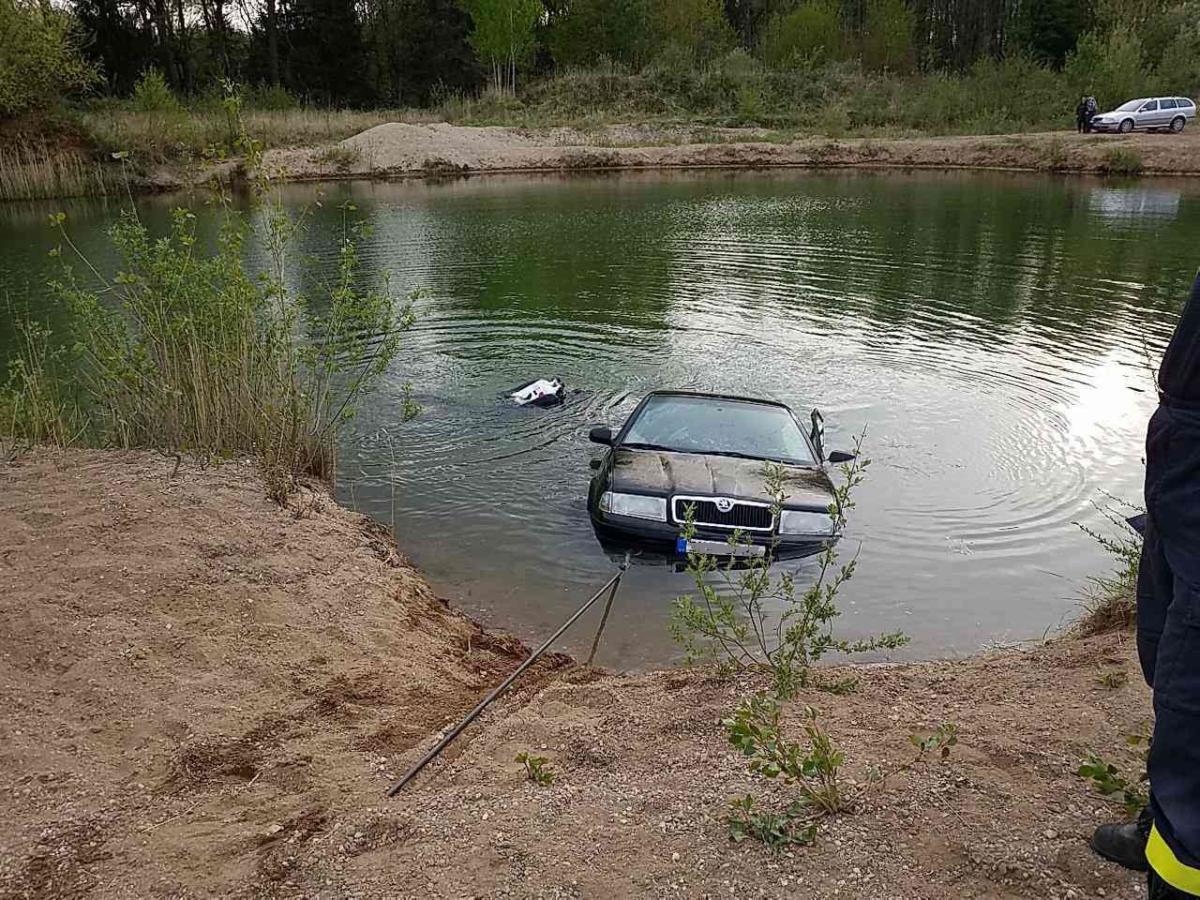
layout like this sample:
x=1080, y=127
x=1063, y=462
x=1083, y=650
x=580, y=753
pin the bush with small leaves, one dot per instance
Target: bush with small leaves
x=813, y=768
x=742, y=617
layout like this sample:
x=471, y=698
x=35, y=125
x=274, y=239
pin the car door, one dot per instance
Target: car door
x=1147, y=114
x=1166, y=111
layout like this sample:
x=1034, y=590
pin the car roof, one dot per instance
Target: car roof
x=707, y=395
x=704, y=395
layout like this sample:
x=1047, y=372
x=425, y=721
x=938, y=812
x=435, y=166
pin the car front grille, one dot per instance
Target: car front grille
x=743, y=514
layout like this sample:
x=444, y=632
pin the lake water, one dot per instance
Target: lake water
x=990, y=332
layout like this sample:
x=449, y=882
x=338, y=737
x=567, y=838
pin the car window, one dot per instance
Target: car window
x=716, y=425
x=1150, y=106
x=1128, y=107
x=1166, y=104
x=1185, y=102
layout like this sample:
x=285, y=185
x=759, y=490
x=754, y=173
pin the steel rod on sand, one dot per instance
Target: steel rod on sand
x=458, y=729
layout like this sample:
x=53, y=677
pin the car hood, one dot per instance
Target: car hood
x=662, y=473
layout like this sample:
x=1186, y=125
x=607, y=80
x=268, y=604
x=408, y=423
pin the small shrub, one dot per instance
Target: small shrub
x=537, y=768
x=1110, y=781
x=184, y=350
x=754, y=730
x=1122, y=161
x=750, y=104
x=272, y=97
x=813, y=768
x=152, y=94
x=793, y=826
x=732, y=626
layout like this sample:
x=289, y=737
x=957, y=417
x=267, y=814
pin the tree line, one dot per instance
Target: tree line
x=417, y=52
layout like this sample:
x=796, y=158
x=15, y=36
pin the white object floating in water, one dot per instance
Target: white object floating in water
x=543, y=392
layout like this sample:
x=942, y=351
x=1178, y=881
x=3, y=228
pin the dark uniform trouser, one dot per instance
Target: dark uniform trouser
x=1169, y=646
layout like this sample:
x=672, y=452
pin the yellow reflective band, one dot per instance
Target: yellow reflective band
x=1169, y=869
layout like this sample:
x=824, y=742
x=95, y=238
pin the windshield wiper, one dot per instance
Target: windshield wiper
x=771, y=459
x=640, y=445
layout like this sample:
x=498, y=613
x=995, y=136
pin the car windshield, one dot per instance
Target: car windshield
x=1130, y=106
x=717, y=425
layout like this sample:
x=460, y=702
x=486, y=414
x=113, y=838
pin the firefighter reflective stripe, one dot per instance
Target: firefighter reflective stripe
x=1169, y=868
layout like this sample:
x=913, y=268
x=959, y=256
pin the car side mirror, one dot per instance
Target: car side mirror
x=840, y=456
x=594, y=464
x=601, y=436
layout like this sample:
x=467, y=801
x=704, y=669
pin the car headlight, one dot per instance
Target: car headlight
x=636, y=506
x=803, y=521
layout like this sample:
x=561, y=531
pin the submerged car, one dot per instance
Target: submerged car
x=708, y=454
x=1147, y=114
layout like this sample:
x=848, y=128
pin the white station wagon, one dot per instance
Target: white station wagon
x=1147, y=114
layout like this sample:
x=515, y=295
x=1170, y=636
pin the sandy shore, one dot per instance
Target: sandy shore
x=206, y=695
x=402, y=150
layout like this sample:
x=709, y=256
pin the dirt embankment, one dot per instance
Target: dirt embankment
x=205, y=695
x=399, y=150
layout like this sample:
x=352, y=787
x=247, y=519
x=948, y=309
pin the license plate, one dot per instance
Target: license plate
x=718, y=548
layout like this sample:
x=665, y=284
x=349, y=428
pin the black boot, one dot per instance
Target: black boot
x=1125, y=844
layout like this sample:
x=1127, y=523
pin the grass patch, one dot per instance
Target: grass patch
x=162, y=136
x=35, y=407
x=1110, y=601
x=34, y=171
x=1122, y=161
x=339, y=157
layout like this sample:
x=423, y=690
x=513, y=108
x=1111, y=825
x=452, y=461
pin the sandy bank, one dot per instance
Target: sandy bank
x=206, y=695
x=399, y=150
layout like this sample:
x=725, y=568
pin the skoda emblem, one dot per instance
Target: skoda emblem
x=724, y=504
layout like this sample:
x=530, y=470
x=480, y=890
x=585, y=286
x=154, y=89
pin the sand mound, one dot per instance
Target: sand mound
x=399, y=146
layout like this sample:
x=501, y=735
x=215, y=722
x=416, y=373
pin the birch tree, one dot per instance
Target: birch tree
x=503, y=37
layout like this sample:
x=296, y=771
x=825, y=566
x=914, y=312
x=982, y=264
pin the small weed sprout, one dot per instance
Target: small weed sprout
x=813, y=768
x=1110, y=781
x=537, y=768
x=727, y=621
x=792, y=826
x=1117, y=678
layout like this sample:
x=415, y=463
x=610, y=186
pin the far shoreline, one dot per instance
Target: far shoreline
x=435, y=151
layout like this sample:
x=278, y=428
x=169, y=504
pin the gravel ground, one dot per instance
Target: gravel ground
x=206, y=695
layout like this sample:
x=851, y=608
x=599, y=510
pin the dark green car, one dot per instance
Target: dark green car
x=709, y=453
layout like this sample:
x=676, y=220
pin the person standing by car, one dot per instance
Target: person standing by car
x=1166, y=838
x=1092, y=109
x=1081, y=116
